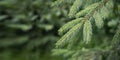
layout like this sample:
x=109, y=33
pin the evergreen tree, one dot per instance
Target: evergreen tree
x=89, y=36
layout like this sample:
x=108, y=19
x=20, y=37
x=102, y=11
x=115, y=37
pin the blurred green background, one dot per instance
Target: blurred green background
x=28, y=29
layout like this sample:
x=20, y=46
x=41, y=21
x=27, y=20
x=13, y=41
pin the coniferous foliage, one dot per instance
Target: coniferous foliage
x=93, y=13
x=27, y=29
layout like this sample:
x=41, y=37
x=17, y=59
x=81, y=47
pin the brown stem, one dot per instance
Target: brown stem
x=101, y=4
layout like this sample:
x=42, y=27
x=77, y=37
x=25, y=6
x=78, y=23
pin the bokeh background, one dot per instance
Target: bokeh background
x=28, y=29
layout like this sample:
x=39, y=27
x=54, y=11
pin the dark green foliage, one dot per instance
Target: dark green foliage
x=28, y=29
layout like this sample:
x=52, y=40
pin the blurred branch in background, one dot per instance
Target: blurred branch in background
x=28, y=29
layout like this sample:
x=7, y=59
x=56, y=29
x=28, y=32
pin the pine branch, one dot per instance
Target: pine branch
x=86, y=10
x=98, y=20
x=69, y=35
x=75, y=7
x=69, y=25
x=104, y=12
x=58, y=2
x=87, y=32
x=101, y=4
